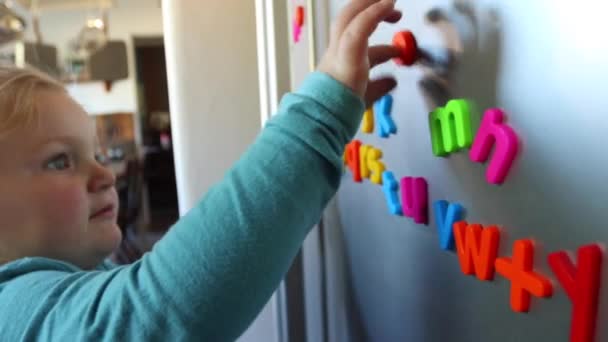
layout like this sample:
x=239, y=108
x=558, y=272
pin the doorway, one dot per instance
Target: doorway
x=160, y=191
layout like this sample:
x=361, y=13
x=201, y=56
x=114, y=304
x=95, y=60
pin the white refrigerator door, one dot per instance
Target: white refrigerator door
x=544, y=64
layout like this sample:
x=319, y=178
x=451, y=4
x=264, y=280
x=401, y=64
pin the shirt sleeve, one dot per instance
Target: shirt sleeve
x=219, y=264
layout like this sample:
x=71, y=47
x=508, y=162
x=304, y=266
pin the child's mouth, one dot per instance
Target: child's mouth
x=105, y=212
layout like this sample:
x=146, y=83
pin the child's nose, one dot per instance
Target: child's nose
x=101, y=178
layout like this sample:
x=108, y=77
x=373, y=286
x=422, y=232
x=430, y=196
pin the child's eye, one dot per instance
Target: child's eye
x=59, y=162
x=101, y=158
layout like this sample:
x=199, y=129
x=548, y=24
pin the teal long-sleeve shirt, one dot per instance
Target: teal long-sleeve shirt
x=215, y=269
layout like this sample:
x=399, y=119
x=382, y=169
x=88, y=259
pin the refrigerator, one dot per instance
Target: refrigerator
x=499, y=127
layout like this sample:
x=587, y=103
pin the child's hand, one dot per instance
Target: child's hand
x=349, y=59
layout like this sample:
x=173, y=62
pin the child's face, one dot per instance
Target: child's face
x=56, y=200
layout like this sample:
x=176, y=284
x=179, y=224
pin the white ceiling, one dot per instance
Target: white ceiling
x=44, y=5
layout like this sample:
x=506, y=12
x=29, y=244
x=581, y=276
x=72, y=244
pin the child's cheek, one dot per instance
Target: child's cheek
x=67, y=208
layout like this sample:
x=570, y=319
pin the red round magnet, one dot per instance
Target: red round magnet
x=406, y=42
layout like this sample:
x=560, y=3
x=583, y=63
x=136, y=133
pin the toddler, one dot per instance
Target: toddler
x=214, y=270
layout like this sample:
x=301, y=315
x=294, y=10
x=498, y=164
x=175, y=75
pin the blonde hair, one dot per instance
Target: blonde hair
x=18, y=93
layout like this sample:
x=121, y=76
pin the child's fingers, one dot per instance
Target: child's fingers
x=360, y=28
x=393, y=17
x=378, y=88
x=379, y=54
x=347, y=14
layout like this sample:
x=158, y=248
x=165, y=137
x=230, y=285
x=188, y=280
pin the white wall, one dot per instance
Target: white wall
x=213, y=91
x=129, y=18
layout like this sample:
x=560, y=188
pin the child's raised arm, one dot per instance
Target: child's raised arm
x=212, y=273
